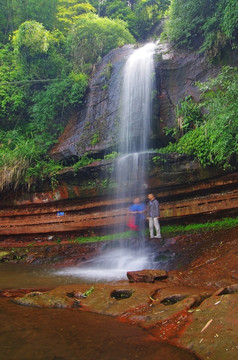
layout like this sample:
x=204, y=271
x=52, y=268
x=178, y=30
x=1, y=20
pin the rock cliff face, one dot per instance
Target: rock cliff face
x=86, y=200
x=94, y=128
x=177, y=74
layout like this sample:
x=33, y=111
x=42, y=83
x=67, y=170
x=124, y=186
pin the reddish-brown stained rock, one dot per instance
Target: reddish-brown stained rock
x=38, y=213
x=147, y=276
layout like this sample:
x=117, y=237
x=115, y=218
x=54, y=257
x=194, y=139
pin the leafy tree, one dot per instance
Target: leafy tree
x=31, y=39
x=93, y=37
x=15, y=12
x=31, y=43
x=230, y=19
x=24, y=149
x=38, y=89
x=6, y=21
x=14, y=92
x=50, y=103
x=219, y=97
x=140, y=15
x=39, y=51
x=69, y=11
x=148, y=13
x=206, y=24
x=42, y=11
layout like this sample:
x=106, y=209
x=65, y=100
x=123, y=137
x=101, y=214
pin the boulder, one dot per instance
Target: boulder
x=147, y=276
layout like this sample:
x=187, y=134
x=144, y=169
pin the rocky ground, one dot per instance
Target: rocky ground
x=193, y=305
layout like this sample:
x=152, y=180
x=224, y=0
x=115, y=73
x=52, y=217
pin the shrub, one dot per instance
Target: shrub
x=214, y=138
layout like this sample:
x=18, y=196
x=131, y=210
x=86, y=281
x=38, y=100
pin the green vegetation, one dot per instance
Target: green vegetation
x=95, y=139
x=47, y=52
x=140, y=15
x=226, y=223
x=188, y=114
x=3, y=254
x=112, y=155
x=167, y=230
x=206, y=24
x=92, y=37
x=83, y=161
x=88, y=292
x=210, y=135
x=89, y=239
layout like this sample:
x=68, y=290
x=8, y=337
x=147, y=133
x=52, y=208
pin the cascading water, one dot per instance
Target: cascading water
x=136, y=110
x=135, y=119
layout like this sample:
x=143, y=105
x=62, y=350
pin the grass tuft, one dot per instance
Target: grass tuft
x=225, y=223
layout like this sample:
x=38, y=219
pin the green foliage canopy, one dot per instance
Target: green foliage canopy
x=39, y=51
x=15, y=12
x=13, y=92
x=205, y=24
x=140, y=15
x=69, y=12
x=38, y=88
x=93, y=37
x=44, y=74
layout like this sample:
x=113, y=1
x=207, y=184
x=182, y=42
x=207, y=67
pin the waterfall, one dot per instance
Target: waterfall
x=136, y=104
x=135, y=127
x=135, y=121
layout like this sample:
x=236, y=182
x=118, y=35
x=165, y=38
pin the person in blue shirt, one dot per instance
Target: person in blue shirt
x=137, y=209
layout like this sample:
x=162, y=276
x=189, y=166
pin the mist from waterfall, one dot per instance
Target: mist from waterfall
x=135, y=127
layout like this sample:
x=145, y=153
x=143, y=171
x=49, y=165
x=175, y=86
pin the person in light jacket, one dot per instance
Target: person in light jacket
x=153, y=216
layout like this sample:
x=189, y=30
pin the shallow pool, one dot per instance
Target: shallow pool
x=69, y=334
x=17, y=276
